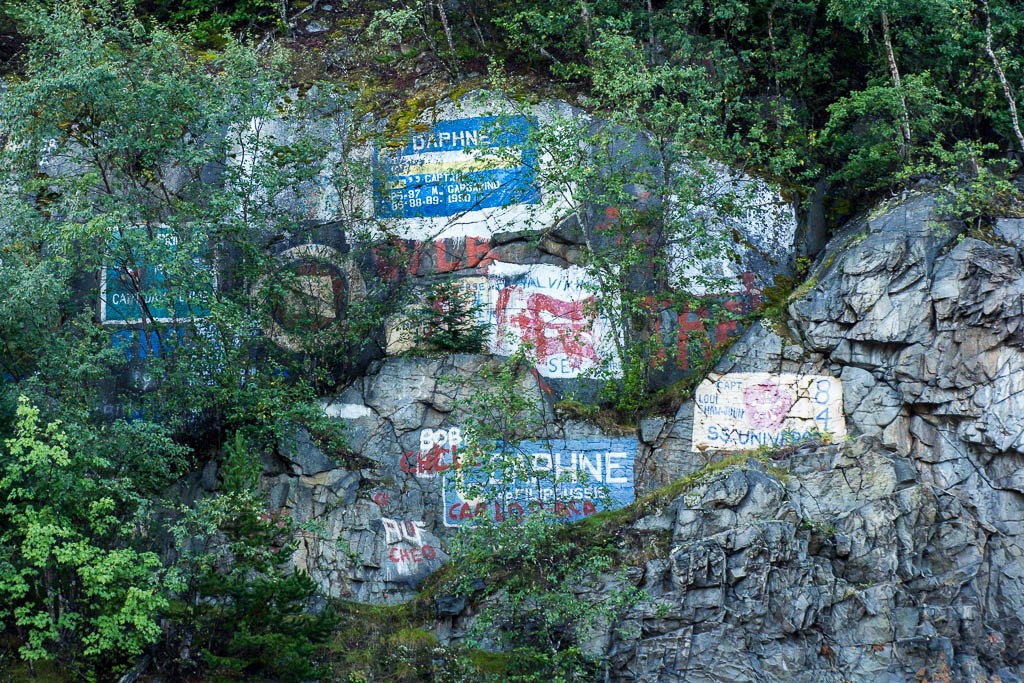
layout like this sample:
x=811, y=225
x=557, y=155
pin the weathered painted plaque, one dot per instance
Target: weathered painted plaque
x=133, y=293
x=320, y=282
x=459, y=166
x=742, y=411
x=553, y=311
x=570, y=478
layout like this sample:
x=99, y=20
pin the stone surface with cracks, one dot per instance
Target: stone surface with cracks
x=897, y=555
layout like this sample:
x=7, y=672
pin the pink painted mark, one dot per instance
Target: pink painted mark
x=552, y=326
x=766, y=405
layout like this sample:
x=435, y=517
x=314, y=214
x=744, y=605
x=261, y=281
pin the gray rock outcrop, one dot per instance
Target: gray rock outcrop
x=896, y=555
x=853, y=569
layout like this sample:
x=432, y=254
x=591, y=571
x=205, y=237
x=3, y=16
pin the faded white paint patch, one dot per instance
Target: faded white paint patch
x=346, y=411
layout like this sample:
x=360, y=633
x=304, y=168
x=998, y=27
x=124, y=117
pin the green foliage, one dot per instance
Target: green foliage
x=127, y=120
x=448, y=321
x=865, y=129
x=538, y=606
x=792, y=88
x=974, y=190
x=238, y=605
x=113, y=132
x=532, y=565
x=428, y=20
x=71, y=584
x=384, y=643
x=210, y=20
x=505, y=407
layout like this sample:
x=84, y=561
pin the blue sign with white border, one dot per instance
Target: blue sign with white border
x=459, y=166
x=571, y=478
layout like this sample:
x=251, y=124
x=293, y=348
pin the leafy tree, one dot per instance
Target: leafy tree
x=71, y=582
x=662, y=206
x=210, y=20
x=114, y=164
x=860, y=17
x=494, y=419
x=539, y=620
x=525, y=570
x=393, y=23
x=127, y=125
x=777, y=72
x=869, y=129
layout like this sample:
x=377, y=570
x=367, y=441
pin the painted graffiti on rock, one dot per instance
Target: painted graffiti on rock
x=570, y=478
x=741, y=411
x=133, y=292
x=320, y=282
x=410, y=551
x=552, y=310
x=437, y=256
x=702, y=325
x=765, y=225
x=140, y=344
x=438, y=452
x=459, y=166
x=396, y=532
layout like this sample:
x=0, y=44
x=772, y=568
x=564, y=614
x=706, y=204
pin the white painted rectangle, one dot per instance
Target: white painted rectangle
x=554, y=311
x=743, y=411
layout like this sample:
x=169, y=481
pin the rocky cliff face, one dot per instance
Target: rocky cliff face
x=897, y=554
x=893, y=555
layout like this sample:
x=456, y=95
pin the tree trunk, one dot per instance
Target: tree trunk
x=448, y=36
x=895, y=72
x=1007, y=91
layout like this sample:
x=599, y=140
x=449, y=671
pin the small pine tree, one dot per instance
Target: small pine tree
x=247, y=611
x=448, y=321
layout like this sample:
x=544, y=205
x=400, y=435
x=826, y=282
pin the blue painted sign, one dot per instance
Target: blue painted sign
x=139, y=344
x=570, y=478
x=458, y=166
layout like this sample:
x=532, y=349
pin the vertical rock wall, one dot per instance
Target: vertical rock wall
x=896, y=555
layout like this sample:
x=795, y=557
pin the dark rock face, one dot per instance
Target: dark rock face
x=897, y=555
x=845, y=572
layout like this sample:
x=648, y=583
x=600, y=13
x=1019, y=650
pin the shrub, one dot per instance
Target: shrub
x=71, y=583
x=242, y=612
x=449, y=321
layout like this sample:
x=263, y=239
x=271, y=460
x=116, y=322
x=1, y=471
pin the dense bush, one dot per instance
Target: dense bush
x=113, y=161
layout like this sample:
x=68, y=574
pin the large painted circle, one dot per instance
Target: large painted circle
x=321, y=284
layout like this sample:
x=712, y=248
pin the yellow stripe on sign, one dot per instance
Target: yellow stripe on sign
x=462, y=166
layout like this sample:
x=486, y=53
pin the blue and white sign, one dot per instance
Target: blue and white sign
x=570, y=478
x=459, y=166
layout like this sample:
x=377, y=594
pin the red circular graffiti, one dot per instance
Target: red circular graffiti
x=766, y=405
x=382, y=498
x=428, y=551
